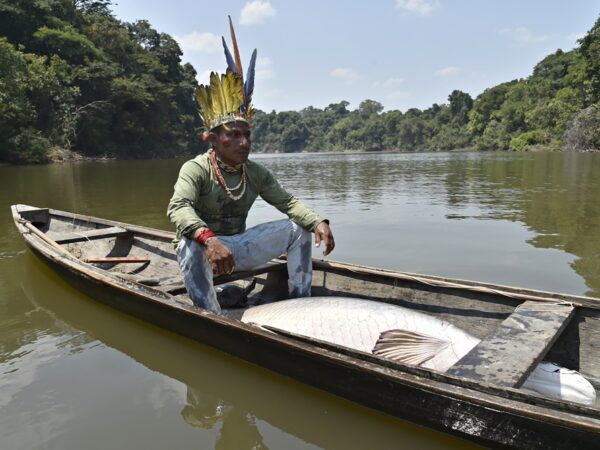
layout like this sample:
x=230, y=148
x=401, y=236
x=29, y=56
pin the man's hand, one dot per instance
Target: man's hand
x=219, y=256
x=323, y=233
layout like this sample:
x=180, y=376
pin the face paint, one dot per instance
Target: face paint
x=232, y=143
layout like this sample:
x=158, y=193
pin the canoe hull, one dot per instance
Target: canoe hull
x=456, y=410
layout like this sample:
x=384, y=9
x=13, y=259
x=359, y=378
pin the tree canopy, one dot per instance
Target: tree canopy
x=556, y=107
x=76, y=80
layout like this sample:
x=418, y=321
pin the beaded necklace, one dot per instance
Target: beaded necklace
x=221, y=180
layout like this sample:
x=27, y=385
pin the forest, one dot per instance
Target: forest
x=76, y=82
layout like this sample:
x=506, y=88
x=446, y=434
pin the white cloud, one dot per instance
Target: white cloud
x=203, y=77
x=422, y=7
x=345, y=74
x=523, y=35
x=256, y=12
x=390, y=82
x=448, y=71
x=264, y=68
x=199, y=42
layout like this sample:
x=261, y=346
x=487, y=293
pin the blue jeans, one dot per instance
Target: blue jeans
x=252, y=248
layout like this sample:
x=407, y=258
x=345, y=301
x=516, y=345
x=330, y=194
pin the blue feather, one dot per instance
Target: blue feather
x=228, y=57
x=249, y=84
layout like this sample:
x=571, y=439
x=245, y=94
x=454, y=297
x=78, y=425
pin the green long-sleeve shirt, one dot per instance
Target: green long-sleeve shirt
x=199, y=201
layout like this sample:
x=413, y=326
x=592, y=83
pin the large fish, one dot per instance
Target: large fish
x=403, y=335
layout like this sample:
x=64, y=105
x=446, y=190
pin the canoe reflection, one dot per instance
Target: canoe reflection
x=238, y=428
x=244, y=404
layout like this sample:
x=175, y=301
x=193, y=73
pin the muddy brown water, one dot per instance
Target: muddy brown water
x=75, y=374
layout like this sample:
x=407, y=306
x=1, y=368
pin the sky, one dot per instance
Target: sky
x=401, y=53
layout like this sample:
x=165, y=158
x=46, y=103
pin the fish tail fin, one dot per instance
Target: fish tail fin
x=409, y=347
x=559, y=382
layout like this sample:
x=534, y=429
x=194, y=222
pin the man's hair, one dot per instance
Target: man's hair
x=217, y=130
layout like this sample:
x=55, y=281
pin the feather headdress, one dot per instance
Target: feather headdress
x=227, y=98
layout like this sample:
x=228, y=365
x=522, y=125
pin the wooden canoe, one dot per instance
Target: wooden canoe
x=134, y=269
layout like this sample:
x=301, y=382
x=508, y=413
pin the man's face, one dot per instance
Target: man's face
x=232, y=143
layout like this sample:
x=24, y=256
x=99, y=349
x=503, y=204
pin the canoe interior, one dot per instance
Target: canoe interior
x=478, y=313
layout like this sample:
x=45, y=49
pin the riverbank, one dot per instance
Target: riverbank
x=61, y=155
x=58, y=156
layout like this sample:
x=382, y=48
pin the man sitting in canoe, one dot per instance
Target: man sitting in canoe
x=215, y=191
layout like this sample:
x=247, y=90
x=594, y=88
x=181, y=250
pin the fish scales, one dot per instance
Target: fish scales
x=358, y=324
x=430, y=342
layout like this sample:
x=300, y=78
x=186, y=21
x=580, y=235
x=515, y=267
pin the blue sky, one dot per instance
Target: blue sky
x=402, y=53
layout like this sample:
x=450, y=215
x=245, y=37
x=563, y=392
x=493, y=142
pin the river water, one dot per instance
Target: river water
x=75, y=374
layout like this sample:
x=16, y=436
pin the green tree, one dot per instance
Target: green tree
x=34, y=105
x=590, y=49
x=460, y=105
x=488, y=103
x=67, y=43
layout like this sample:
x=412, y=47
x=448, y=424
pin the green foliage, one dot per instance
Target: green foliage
x=367, y=128
x=546, y=109
x=525, y=141
x=73, y=77
x=485, y=108
x=460, y=105
x=34, y=104
x=590, y=49
x=66, y=43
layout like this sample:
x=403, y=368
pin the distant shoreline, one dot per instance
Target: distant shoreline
x=73, y=157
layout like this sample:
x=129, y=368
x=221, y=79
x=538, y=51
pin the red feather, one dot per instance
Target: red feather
x=236, y=52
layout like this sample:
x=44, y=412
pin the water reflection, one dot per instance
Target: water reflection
x=70, y=368
x=553, y=195
x=238, y=427
x=226, y=403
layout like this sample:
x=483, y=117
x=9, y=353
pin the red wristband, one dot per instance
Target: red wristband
x=204, y=236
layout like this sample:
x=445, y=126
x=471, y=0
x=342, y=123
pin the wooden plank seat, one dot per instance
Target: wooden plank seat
x=88, y=235
x=240, y=275
x=117, y=260
x=179, y=287
x=146, y=281
x=33, y=214
x=508, y=355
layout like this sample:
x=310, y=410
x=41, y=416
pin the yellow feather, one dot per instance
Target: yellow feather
x=227, y=83
x=250, y=112
x=218, y=99
x=234, y=91
x=238, y=94
x=203, y=98
x=221, y=99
